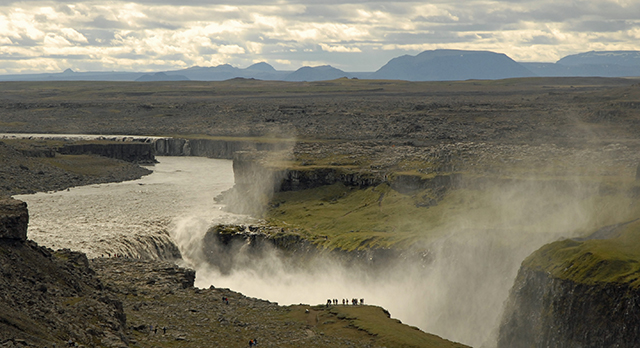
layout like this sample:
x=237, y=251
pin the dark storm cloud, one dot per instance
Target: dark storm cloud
x=12, y=56
x=40, y=18
x=434, y=19
x=68, y=56
x=601, y=26
x=134, y=55
x=160, y=25
x=542, y=40
x=65, y=9
x=104, y=23
x=418, y=38
x=356, y=32
x=25, y=41
x=98, y=37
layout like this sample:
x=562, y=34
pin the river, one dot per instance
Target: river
x=109, y=219
x=458, y=296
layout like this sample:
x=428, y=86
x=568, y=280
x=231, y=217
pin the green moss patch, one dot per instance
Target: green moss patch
x=367, y=324
x=351, y=218
x=613, y=260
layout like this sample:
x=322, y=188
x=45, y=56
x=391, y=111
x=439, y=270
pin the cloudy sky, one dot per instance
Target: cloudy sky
x=353, y=35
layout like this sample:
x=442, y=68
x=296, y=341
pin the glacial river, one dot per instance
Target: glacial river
x=459, y=296
x=109, y=219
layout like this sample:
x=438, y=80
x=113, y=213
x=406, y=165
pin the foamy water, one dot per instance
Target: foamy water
x=459, y=296
x=102, y=220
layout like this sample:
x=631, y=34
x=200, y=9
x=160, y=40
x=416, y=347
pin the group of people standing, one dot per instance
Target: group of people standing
x=354, y=301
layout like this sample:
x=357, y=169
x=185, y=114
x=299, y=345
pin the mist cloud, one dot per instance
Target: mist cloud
x=289, y=34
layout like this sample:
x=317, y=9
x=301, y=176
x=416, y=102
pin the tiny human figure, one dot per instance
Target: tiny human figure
x=155, y=330
x=361, y=301
x=164, y=330
x=328, y=303
x=255, y=341
x=250, y=343
x=343, y=302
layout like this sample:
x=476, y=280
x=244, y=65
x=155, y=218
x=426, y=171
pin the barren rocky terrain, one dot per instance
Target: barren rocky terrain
x=575, y=140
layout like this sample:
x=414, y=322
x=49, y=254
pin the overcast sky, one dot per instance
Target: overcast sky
x=355, y=35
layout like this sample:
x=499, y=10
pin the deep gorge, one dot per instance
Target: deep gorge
x=442, y=270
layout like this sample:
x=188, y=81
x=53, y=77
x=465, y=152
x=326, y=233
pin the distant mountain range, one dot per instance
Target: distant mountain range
x=443, y=65
x=435, y=65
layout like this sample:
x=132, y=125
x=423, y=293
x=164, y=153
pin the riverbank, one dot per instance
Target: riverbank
x=60, y=297
x=27, y=167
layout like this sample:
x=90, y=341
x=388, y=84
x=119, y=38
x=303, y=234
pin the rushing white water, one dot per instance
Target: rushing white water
x=109, y=219
x=458, y=296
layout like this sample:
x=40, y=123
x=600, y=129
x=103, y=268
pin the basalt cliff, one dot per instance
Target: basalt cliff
x=577, y=293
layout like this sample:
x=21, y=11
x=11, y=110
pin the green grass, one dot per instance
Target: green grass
x=350, y=218
x=613, y=260
x=367, y=324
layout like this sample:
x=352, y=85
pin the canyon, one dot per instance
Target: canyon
x=442, y=192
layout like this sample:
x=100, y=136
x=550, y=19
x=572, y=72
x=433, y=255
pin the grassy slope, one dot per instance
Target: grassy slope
x=199, y=318
x=614, y=260
x=367, y=324
x=349, y=218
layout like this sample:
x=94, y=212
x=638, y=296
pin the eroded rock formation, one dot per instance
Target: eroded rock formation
x=51, y=297
x=14, y=219
x=544, y=311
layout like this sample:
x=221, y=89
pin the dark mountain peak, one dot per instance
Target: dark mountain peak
x=262, y=66
x=225, y=67
x=68, y=71
x=446, y=64
x=316, y=73
x=161, y=76
x=623, y=58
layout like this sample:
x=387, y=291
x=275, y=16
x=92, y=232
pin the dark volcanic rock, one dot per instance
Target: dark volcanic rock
x=133, y=152
x=14, y=219
x=48, y=298
x=20, y=174
x=543, y=311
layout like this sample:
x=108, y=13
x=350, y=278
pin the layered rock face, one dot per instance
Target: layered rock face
x=49, y=298
x=545, y=311
x=212, y=148
x=135, y=152
x=14, y=219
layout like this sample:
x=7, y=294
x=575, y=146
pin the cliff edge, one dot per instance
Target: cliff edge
x=578, y=293
x=48, y=297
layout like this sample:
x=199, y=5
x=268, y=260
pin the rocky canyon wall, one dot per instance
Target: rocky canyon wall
x=547, y=311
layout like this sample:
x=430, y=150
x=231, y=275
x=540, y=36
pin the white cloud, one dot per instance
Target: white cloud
x=231, y=49
x=73, y=35
x=339, y=48
x=135, y=34
x=52, y=42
